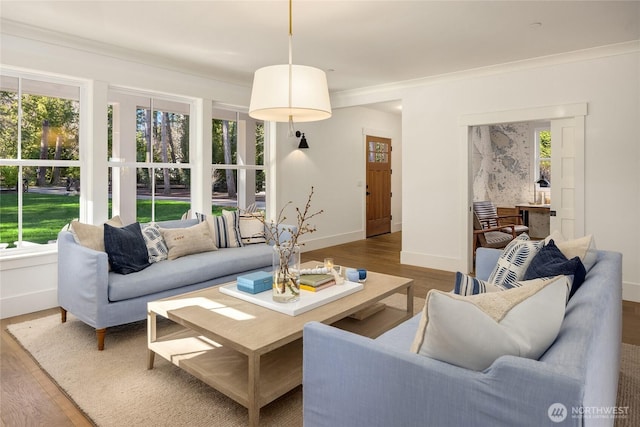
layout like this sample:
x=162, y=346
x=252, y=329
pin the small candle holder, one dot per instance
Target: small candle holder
x=328, y=263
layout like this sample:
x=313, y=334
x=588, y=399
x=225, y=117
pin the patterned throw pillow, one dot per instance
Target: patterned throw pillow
x=156, y=247
x=514, y=261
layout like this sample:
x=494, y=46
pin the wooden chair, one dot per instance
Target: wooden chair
x=488, y=230
x=489, y=218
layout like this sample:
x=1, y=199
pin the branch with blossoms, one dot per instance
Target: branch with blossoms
x=276, y=230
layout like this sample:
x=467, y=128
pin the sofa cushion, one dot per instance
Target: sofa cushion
x=188, y=270
x=156, y=247
x=186, y=241
x=583, y=247
x=550, y=261
x=92, y=236
x=126, y=248
x=473, y=331
x=514, y=261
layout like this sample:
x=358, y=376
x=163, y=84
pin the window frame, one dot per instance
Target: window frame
x=537, y=158
x=113, y=162
x=230, y=113
x=25, y=247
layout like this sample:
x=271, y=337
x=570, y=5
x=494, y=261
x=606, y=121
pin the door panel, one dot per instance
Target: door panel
x=563, y=177
x=378, y=185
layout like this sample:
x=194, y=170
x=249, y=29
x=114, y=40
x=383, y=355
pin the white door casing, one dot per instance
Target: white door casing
x=575, y=112
x=567, y=176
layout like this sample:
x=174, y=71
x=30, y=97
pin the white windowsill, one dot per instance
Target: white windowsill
x=27, y=251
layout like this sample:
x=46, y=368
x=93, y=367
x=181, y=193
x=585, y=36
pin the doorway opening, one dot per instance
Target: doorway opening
x=511, y=168
x=567, y=204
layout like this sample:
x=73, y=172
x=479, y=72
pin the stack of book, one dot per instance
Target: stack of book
x=254, y=283
x=316, y=282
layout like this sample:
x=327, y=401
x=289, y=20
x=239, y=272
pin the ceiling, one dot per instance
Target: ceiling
x=359, y=43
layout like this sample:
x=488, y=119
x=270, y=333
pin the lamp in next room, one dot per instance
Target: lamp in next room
x=290, y=93
x=541, y=183
x=303, y=140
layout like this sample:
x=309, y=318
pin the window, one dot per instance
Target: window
x=237, y=170
x=39, y=158
x=543, y=154
x=148, y=152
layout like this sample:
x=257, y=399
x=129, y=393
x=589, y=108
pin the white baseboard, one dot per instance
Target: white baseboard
x=431, y=261
x=339, y=239
x=28, y=303
x=631, y=291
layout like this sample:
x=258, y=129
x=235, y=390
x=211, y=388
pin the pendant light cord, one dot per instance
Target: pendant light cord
x=290, y=65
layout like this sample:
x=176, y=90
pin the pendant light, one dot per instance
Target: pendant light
x=288, y=92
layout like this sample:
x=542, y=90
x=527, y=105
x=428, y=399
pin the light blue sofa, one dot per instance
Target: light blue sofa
x=102, y=299
x=352, y=381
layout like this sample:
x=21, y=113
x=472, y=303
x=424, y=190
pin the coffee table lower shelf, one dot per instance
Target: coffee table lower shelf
x=226, y=369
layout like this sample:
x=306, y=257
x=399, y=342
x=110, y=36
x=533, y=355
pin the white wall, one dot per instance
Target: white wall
x=28, y=283
x=432, y=165
x=335, y=165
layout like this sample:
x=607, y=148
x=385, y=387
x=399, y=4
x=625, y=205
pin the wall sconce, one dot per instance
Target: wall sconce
x=303, y=140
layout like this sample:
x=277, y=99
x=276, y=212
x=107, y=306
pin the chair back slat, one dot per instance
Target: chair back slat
x=487, y=213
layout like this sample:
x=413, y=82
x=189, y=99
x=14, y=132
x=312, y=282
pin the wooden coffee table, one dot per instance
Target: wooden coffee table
x=253, y=354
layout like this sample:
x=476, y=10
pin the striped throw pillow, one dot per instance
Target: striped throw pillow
x=225, y=228
x=467, y=285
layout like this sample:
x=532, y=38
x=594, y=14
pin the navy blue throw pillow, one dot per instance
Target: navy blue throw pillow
x=126, y=248
x=550, y=261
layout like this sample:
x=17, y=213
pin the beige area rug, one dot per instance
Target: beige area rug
x=629, y=386
x=114, y=387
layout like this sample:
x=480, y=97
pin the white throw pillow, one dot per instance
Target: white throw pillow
x=473, y=331
x=583, y=247
x=251, y=228
x=514, y=261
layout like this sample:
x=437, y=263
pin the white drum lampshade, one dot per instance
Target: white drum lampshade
x=305, y=100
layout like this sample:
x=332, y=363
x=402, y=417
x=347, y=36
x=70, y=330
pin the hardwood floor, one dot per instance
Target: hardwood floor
x=28, y=397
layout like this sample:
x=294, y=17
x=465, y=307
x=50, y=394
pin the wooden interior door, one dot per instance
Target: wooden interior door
x=378, y=185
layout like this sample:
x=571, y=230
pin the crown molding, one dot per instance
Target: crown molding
x=55, y=38
x=390, y=91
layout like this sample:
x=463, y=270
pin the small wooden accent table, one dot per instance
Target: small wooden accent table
x=253, y=354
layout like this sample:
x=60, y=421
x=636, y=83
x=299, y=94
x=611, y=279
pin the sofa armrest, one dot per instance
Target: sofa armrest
x=350, y=380
x=486, y=260
x=83, y=280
